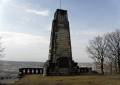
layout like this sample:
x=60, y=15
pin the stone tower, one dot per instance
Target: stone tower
x=60, y=53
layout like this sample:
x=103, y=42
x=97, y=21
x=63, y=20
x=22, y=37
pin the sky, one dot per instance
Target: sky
x=25, y=26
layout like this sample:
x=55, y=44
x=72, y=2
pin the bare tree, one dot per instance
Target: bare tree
x=113, y=46
x=96, y=50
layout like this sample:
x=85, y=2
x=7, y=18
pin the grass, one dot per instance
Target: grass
x=69, y=80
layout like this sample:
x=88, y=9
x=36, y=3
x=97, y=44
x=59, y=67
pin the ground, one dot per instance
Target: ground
x=69, y=80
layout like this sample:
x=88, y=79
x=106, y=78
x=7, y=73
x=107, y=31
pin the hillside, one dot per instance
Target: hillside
x=69, y=80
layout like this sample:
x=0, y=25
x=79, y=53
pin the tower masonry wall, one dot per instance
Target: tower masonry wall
x=60, y=52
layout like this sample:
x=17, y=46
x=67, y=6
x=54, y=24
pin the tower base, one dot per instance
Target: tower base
x=60, y=69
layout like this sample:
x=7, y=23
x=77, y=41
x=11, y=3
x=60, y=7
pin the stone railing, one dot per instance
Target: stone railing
x=29, y=71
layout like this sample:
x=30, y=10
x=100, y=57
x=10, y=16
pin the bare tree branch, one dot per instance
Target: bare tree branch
x=96, y=50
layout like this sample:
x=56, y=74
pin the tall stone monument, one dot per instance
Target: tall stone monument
x=60, y=52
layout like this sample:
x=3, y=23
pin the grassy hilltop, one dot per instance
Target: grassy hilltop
x=69, y=80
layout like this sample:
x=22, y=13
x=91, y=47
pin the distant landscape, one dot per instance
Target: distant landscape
x=9, y=69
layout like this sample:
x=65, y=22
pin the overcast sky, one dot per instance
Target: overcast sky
x=25, y=26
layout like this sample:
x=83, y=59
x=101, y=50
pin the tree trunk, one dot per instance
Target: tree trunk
x=119, y=66
x=111, y=68
x=102, y=66
x=116, y=68
x=118, y=60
